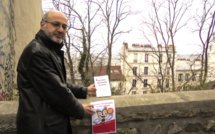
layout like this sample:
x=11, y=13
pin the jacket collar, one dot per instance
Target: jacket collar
x=48, y=42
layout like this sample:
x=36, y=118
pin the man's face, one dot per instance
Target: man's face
x=55, y=27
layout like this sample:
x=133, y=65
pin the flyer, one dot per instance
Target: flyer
x=104, y=120
x=102, y=85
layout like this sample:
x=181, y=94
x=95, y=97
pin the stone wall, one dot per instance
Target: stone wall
x=19, y=21
x=190, y=112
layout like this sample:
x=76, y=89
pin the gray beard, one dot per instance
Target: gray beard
x=52, y=38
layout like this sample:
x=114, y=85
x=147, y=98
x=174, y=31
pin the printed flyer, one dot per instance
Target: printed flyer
x=104, y=120
x=102, y=85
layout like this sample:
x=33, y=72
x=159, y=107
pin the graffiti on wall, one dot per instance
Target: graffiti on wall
x=7, y=52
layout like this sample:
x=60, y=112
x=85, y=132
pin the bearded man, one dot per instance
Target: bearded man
x=46, y=100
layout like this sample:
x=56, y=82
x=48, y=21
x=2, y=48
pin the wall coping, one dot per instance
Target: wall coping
x=156, y=98
x=10, y=107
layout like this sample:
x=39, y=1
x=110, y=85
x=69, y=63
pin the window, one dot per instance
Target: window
x=159, y=70
x=187, y=77
x=135, y=57
x=146, y=70
x=167, y=83
x=169, y=57
x=120, y=85
x=134, y=83
x=146, y=57
x=160, y=58
x=194, y=78
x=159, y=83
x=168, y=70
x=133, y=92
x=145, y=83
x=180, y=77
x=116, y=71
x=135, y=71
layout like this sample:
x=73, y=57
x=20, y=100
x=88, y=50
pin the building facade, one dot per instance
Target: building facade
x=149, y=69
x=187, y=71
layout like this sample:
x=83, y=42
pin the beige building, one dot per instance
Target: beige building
x=145, y=68
x=211, y=61
x=187, y=71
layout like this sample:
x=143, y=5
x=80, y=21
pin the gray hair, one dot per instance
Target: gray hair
x=45, y=16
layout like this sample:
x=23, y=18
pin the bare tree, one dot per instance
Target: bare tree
x=85, y=23
x=59, y=5
x=113, y=12
x=205, y=22
x=163, y=23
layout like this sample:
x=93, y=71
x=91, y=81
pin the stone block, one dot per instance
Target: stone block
x=184, y=114
x=83, y=131
x=207, y=112
x=174, y=128
x=121, y=118
x=7, y=123
x=138, y=116
x=193, y=127
x=161, y=115
x=210, y=126
x=127, y=131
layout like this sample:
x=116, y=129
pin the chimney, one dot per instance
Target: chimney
x=125, y=45
x=213, y=40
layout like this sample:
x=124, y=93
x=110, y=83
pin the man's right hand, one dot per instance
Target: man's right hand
x=88, y=109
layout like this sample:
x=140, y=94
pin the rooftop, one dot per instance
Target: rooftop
x=116, y=73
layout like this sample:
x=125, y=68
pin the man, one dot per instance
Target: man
x=46, y=101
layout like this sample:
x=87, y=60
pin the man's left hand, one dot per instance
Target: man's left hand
x=91, y=90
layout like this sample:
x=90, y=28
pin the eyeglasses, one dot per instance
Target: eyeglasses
x=57, y=25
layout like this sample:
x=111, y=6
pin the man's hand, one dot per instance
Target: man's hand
x=91, y=90
x=88, y=109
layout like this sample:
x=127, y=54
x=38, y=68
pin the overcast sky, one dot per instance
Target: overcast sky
x=187, y=42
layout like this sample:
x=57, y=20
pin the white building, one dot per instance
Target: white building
x=187, y=71
x=211, y=61
x=146, y=68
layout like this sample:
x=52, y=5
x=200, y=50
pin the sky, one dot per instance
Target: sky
x=186, y=41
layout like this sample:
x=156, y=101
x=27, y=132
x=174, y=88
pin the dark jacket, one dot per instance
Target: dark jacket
x=46, y=101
